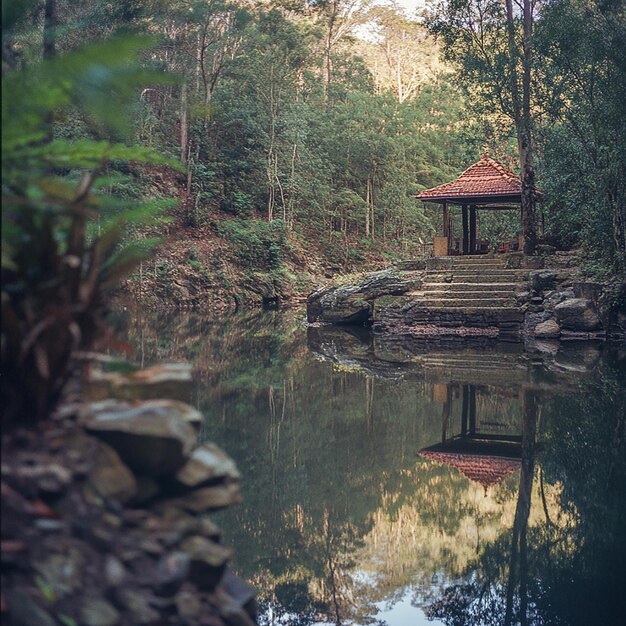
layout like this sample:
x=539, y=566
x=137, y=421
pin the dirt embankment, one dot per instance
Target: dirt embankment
x=222, y=262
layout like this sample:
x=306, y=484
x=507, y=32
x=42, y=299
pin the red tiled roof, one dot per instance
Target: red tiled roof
x=486, y=178
x=486, y=470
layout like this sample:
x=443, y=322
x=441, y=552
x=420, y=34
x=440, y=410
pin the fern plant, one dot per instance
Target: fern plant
x=57, y=267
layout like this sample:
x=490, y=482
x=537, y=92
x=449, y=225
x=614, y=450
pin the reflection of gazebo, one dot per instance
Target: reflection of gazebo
x=485, y=185
x=485, y=469
x=482, y=456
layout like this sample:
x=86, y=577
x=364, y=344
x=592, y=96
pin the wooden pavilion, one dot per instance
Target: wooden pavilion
x=485, y=185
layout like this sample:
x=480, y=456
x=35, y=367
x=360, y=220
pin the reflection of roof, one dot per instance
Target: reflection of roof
x=483, y=469
x=485, y=179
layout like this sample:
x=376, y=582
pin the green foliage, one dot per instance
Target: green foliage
x=58, y=260
x=258, y=244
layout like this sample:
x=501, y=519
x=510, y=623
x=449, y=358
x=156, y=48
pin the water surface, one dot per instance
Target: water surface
x=402, y=482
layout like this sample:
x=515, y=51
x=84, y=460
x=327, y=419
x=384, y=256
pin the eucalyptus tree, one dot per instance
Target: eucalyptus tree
x=493, y=44
x=401, y=54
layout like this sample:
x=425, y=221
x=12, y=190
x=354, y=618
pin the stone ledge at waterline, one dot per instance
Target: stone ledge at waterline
x=509, y=296
x=105, y=514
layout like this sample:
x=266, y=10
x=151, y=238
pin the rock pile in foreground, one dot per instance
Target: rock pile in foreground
x=105, y=518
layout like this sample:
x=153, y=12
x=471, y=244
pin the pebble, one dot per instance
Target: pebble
x=98, y=612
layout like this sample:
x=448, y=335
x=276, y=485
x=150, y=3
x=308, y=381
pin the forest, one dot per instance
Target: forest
x=224, y=155
x=295, y=134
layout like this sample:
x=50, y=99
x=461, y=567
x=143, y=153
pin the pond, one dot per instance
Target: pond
x=401, y=481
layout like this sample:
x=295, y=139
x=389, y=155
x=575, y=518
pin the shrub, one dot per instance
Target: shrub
x=55, y=274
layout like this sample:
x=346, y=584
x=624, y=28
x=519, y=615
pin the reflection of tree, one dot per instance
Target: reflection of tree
x=522, y=511
x=569, y=569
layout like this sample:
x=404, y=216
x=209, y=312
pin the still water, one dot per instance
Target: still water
x=404, y=482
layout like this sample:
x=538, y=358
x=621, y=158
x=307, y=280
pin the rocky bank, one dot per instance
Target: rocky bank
x=510, y=297
x=106, y=512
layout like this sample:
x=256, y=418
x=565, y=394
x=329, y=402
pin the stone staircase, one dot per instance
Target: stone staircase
x=475, y=282
x=469, y=295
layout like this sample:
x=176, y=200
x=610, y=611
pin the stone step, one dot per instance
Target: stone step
x=452, y=292
x=487, y=271
x=457, y=313
x=478, y=264
x=508, y=287
x=450, y=303
x=474, y=278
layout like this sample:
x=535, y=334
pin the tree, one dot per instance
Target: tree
x=582, y=45
x=55, y=270
x=402, y=56
x=502, y=67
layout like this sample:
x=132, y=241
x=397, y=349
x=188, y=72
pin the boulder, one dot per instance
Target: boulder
x=541, y=280
x=588, y=290
x=352, y=304
x=137, y=604
x=208, y=463
x=547, y=330
x=577, y=314
x=62, y=573
x=154, y=437
x=207, y=561
x=110, y=477
x=168, y=380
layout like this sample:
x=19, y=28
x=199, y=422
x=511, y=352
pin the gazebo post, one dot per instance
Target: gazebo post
x=465, y=229
x=472, y=229
x=446, y=226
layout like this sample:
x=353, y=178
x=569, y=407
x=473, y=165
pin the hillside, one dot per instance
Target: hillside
x=227, y=263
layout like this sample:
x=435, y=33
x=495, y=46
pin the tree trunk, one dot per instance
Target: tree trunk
x=523, y=120
x=184, y=124
x=49, y=29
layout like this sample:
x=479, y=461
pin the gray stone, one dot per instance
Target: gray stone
x=114, y=571
x=351, y=304
x=188, y=605
x=577, y=314
x=231, y=611
x=98, y=612
x=50, y=478
x=207, y=561
x=207, y=463
x=110, y=477
x=590, y=291
x=210, y=498
x=547, y=330
x=138, y=605
x=545, y=249
x=147, y=488
x=541, y=279
x=63, y=573
x=153, y=438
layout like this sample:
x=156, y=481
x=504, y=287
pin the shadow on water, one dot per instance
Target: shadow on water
x=403, y=481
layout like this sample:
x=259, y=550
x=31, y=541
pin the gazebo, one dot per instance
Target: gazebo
x=485, y=185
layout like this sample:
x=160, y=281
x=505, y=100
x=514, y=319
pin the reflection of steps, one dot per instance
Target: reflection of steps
x=471, y=292
x=475, y=367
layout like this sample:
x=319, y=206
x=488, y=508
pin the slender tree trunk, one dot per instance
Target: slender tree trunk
x=523, y=119
x=367, y=209
x=184, y=124
x=49, y=29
